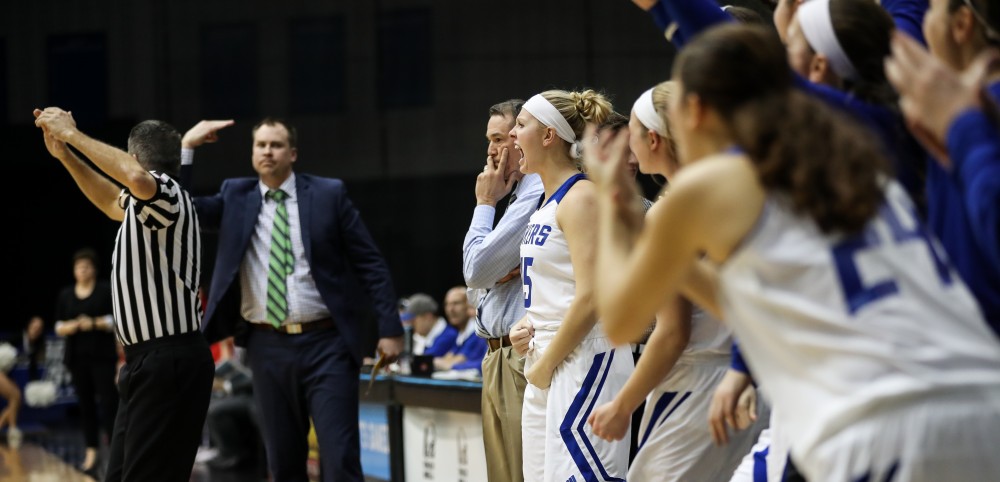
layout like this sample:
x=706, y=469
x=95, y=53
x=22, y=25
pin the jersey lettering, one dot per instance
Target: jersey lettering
x=856, y=292
x=536, y=234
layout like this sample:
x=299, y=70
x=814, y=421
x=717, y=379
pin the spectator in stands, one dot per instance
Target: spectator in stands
x=468, y=351
x=432, y=335
x=232, y=422
x=33, y=347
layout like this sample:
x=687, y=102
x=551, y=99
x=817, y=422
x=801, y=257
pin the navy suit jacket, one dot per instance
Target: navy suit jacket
x=337, y=244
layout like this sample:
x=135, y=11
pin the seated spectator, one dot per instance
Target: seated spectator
x=432, y=335
x=33, y=346
x=469, y=349
x=232, y=420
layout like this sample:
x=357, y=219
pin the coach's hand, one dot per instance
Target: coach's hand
x=390, y=348
x=491, y=185
x=610, y=421
x=206, y=131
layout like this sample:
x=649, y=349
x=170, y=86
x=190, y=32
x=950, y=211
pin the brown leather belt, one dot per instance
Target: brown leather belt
x=296, y=328
x=497, y=343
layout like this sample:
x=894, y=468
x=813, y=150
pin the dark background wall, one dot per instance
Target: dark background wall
x=389, y=95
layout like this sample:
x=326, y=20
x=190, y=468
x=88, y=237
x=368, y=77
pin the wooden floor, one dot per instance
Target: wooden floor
x=30, y=462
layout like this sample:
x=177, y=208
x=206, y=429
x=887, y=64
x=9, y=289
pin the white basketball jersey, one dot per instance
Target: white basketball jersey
x=709, y=336
x=841, y=329
x=546, y=269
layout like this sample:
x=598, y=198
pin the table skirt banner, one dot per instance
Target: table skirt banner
x=443, y=445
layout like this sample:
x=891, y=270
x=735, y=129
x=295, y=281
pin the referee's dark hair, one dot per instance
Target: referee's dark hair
x=157, y=146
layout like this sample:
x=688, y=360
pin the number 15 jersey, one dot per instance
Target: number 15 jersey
x=546, y=268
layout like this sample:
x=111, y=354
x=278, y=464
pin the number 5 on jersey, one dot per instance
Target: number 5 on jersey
x=526, y=280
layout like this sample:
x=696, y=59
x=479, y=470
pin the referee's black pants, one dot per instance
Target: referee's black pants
x=164, y=390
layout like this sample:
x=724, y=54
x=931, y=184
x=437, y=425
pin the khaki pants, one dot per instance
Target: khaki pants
x=503, y=392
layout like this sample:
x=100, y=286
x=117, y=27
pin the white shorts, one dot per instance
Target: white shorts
x=753, y=467
x=675, y=442
x=767, y=459
x=557, y=440
x=932, y=439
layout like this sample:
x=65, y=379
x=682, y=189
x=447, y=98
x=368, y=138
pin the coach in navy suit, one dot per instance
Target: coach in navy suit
x=305, y=354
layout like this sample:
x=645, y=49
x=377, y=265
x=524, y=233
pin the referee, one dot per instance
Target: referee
x=165, y=385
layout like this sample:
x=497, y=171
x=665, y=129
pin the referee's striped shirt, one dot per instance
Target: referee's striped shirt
x=156, y=265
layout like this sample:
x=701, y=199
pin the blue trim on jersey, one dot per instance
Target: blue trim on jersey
x=566, y=427
x=661, y=405
x=760, y=465
x=892, y=472
x=558, y=195
x=889, y=474
x=583, y=420
x=679, y=402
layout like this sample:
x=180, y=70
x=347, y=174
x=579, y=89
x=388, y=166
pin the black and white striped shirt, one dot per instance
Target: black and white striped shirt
x=156, y=267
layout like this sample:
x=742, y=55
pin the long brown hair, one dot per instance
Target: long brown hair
x=829, y=167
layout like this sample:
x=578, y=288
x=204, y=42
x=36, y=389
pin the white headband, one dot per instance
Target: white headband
x=817, y=26
x=646, y=113
x=547, y=114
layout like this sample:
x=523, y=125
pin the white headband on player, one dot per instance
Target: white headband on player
x=817, y=26
x=647, y=115
x=547, y=114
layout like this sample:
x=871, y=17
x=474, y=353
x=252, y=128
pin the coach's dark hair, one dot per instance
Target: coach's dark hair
x=157, y=146
x=509, y=107
x=828, y=166
x=293, y=133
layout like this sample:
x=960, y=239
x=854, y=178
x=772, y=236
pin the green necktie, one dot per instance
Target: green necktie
x=280, y=263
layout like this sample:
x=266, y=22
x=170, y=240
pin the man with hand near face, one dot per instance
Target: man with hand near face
x=491, y=257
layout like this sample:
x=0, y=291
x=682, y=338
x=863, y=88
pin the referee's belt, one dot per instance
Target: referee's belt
x=497, y=343
x=296, y=328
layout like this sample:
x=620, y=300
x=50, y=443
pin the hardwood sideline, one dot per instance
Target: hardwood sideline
x=31, y=462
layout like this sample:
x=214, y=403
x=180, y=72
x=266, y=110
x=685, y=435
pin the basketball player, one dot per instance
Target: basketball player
x=684, y=359
x=570, y=365
x=869, y=342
